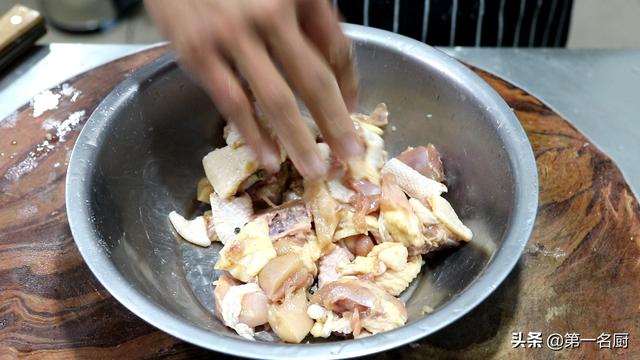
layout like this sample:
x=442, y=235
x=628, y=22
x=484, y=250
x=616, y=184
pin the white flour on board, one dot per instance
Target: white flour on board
x=69, y=124
x=49, y=100
x=25, y=166
x=70, y=91
x=50, y=124
x=27, y=211
x=9, y=121
x=44, y=101
x=62, y=128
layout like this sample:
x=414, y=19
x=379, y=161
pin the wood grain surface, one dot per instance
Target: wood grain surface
x=579, y=273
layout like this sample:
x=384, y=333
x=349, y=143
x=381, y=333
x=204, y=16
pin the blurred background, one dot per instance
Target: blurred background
x=591, y=23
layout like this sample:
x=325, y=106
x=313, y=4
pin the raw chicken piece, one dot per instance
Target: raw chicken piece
x=412, y=182
x=363, y=206
x=287, y=219
x=232, y=136
x=425, y=160
x=304, y=246
x=423, y=213
x=283, y=275
x=388, y=315
x=361, y=169
x=289, y=244
x=254, y=304
x=373, y=228
x=249, y=252
x=378, y=117
x=396, y=281
x=387, y=265
x=346, y=224
x=289, y=320
x=325, y=152
x=374, y=158
x=360, y=119
x=327, y=322
x=204, y=190
x=254, y=309
x=365, y=265
x=397, y=221
x=388, y=255
x=366, y=201
x=310, y=253
x=346, y=294
x=339, y=190
x=253, y=180
x=447, y=216
x=328, y=270
x=228, y=167
x=375, y=155
x=323, y=208
x=359, y=245
x=393, y=255
x=365, y=188
x=211, y=231
x=269, y=188
x=378, y=311
x=228, y=216
x=194, y=231
x=361, y=124
x=222, y=285
x=435, y=234
x=241, y=307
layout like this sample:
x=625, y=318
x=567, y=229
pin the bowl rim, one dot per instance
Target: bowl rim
x=520, y=156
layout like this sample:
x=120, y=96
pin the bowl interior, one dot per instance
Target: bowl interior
x=146, y=160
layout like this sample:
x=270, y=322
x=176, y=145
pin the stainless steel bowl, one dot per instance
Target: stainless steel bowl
x=139, y=157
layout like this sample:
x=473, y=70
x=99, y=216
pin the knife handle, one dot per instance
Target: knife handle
x=20, y=27
x=16, y=23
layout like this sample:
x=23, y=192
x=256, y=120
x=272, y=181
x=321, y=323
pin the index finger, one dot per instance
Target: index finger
x=279, y=105
x=316, y=84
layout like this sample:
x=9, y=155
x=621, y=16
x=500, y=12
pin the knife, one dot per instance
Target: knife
x=20, y=28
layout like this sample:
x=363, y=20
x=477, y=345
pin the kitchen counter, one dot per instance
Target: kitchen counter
x=598, y=91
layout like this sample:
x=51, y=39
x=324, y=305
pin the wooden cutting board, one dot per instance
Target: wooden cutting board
x=579, y=273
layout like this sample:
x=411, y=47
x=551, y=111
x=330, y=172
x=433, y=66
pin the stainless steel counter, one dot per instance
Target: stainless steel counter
x=598, y=91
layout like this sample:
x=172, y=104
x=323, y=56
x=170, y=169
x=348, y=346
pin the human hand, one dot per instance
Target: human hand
x=216, y=38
